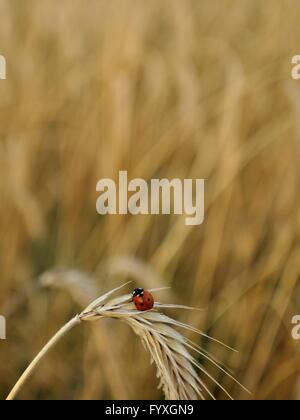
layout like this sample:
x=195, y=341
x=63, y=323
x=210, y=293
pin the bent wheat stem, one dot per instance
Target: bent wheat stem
x=35, y=363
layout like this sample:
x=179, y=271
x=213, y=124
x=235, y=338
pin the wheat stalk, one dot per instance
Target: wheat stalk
x=83, y=289
x=176, y=367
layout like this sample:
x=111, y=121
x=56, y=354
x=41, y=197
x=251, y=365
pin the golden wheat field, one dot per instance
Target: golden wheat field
x=189, y=89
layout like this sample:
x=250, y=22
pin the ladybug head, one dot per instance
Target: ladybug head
x=138, y=292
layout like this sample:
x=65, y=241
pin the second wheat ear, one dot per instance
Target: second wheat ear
x=177, y=370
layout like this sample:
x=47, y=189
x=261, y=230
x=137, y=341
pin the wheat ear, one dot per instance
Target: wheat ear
x=176, y=367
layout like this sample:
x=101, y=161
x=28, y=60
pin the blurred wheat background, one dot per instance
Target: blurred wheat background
x=170, y=88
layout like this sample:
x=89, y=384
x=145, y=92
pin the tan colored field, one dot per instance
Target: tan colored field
x=169, y=88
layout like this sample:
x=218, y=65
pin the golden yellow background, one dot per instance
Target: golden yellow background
x=169, y=88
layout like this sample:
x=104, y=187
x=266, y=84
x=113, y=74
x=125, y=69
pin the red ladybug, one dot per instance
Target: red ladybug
x=142, y=299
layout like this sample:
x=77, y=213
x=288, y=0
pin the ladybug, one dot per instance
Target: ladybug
x=142, y=299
